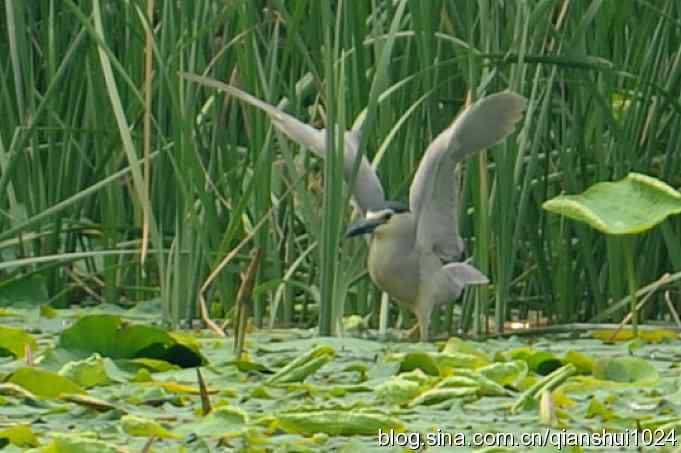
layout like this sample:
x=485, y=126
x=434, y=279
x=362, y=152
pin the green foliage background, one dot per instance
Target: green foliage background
x=602, y=78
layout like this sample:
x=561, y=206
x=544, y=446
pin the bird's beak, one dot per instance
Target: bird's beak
x=363, y=226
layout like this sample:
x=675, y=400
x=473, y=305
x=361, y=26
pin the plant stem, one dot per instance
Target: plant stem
x=628, y=250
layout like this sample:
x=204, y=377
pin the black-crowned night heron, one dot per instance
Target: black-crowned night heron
x=412, y=252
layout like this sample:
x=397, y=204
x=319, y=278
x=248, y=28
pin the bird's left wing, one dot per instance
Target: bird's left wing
x=296, y=130
x=367, y=190
x=433, y=195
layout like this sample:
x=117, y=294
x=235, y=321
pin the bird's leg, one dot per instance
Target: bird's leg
x=424, y=329
x=423, y=317
x=413, y=333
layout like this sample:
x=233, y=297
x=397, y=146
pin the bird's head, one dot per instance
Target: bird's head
x=376, y=219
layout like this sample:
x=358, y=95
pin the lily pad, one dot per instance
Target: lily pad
x=419, y=360
x=74, y=443
x=13, y=342
x=631, y=205
x=20, y=436
x=87, y=373
x=543, y=362
x=468, y=378
x=651, y=336
x=626, y=369
x=398, y=390
x=110, y=336
x=506, y=373
x=582, y=362
x=44, y=383
x=338, y=422
x=221, y=420
x=439, y=395
x=302, y=367
x=457, y=345
x=143, y=427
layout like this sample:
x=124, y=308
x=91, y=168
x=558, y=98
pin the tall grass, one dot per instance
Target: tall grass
x=77, y=207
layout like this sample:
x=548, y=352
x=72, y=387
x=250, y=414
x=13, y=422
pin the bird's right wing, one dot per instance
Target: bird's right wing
x=367, y=190
x=433, y=195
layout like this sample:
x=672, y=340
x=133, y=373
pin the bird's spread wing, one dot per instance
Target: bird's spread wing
x=367, y=190
x=299, y=132
x=433, y=194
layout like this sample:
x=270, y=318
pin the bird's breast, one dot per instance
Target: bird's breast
x=394, y=269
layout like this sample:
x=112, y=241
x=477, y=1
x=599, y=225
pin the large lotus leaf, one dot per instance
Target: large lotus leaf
x=629, y=206
x=109, y=336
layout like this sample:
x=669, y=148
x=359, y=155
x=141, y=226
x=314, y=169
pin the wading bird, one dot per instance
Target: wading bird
x=412, y=255
x=413, y=251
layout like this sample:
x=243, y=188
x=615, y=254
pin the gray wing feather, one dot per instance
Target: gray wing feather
x=367, y=190
x=433, y=195
x=450, y=280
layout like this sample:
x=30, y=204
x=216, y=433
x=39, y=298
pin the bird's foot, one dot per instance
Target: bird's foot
x=413, y=334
